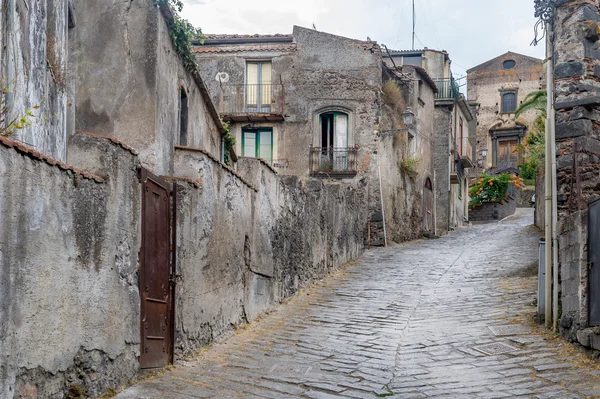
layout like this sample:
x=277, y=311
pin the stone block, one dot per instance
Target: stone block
x=575, y=128
x=568, y=69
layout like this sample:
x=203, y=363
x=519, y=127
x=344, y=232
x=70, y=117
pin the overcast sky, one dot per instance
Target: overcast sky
x=472, y=31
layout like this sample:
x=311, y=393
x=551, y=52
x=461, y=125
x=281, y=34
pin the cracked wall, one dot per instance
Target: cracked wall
x=68, y=273
x=34, y=56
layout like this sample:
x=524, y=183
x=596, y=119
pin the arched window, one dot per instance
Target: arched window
x=509, y=102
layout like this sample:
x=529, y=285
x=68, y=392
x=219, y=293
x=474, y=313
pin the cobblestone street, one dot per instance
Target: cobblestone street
x=444, y=318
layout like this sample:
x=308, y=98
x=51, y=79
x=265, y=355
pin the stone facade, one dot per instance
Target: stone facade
x=487, y=83
x=452, y=150
x=321, y=74
x=489, y=211
x=577, y=60
x=247, y=238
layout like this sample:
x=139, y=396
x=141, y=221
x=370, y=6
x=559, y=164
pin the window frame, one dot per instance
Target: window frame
x=504, y=93
x=259, y=106
x=257, y=131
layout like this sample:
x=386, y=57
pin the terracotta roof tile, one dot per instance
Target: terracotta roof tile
x=111, y=139
x=35, y=154
x=285, y=47
x=209, y=36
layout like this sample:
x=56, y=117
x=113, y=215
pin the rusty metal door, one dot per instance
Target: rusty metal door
x=428, y=206
x=594, y=263
x=156, y=271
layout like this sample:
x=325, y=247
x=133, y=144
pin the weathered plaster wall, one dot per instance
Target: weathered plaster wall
x=34, y=55
x=139, y=104
x=245, y=245
x=68, y=272
x=577, y=56
x=484, y=84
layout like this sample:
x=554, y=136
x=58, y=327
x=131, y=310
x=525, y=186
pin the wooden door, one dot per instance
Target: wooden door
x=594, y=263
x=156, y=272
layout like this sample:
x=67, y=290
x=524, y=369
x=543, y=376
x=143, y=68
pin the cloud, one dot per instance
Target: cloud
x=472, y=31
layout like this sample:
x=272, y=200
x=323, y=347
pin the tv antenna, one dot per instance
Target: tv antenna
x=414, y=21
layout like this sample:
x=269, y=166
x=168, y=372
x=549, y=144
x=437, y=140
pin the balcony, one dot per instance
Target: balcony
x=465, y=151
x=333, y=162
x=447, y=89
x=252, y=103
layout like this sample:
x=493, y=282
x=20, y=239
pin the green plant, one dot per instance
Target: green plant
x=7, y=125
x=77, y=392
x=228, y=142
x=410, y=164
x=488, y=188
x=534, y=145
x=182, y=34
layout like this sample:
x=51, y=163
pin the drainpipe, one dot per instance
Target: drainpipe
x=382, y=208
x=548, y=228
x=552, y=124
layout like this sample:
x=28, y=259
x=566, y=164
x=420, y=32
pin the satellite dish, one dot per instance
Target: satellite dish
x=222, y=77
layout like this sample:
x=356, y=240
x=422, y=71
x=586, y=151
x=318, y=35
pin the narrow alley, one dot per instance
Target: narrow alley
x=446, y=318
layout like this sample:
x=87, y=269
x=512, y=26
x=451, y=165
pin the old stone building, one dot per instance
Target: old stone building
x=452, y=136
x=314, y=105
x=496, y=88
x=145, y=246
x=576, y=70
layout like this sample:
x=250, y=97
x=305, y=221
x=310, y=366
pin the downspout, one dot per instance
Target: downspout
x=552, y=124
x=548, y=181
x=434, y=189
x=382, y=207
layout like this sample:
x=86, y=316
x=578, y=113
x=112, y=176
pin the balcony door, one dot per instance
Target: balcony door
x=258, y=144
x=258, y=87
x=334, y=141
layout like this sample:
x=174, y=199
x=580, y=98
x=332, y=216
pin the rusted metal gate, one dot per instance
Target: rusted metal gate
x=428, y=206
x=157, y=270
x=594, y=263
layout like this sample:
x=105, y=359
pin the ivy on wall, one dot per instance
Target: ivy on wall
x=182, y=34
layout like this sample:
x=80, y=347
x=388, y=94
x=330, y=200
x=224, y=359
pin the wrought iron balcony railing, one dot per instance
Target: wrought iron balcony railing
x=447, y=89
x=329, y=160
x=252, y=101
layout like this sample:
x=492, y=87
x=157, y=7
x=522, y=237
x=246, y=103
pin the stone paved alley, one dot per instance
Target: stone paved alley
x=411, y=321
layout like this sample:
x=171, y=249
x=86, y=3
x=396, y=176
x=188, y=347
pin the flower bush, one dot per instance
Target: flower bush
x=488, y=188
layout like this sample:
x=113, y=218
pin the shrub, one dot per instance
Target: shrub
x=488, y=188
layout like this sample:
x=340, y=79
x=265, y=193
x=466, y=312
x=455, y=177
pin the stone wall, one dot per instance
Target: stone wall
x=246, y=241
x=577, y=57
x=68, y=272
x=524, y=197
x=34, y=55
x=490, y=211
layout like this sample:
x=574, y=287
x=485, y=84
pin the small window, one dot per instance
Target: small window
x=509, y=64
x=509, y=102
x=183, y=117
x=258, y=144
